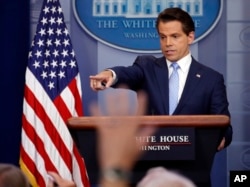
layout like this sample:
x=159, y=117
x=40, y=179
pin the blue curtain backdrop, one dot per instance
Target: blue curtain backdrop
x=14, y=44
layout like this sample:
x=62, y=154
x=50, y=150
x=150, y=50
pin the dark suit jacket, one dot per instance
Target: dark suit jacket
x=204, y=92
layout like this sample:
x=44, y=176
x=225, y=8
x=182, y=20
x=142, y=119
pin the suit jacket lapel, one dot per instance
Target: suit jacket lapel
x=194, y=76
x=161, y=73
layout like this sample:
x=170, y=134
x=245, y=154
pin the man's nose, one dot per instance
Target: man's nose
x=168, y=41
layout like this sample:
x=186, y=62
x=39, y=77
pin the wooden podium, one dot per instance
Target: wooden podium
x=205, y=136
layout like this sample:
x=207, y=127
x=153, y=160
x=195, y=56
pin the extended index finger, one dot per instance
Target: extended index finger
x=97, y=77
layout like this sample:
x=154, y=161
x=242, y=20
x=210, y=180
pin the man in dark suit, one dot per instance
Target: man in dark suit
x=201, y=90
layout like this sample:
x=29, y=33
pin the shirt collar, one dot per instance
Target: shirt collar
x=184, y=63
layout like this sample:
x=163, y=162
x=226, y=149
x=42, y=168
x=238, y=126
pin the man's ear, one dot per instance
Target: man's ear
x=191, y=37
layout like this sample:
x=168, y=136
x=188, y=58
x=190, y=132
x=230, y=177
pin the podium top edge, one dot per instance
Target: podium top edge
x=158, y=120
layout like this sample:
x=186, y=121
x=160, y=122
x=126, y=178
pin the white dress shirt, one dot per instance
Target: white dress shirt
x=184, y=65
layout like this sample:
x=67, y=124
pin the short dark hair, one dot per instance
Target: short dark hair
x=176, y=14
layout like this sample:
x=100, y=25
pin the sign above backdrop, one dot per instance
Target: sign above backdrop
x=129, y=25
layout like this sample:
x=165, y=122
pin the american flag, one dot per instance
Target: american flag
x=52, y=95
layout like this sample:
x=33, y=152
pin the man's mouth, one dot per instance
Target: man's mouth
x=169, y=52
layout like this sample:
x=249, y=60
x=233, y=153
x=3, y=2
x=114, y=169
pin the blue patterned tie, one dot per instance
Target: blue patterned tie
x=173, y=88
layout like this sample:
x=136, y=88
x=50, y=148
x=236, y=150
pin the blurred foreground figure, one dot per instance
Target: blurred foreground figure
x=12, y=176
x=161, y=177
x=56, y=180
x=118, y=150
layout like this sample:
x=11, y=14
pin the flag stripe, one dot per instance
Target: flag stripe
x=76, y=92
x=35, y=169
x=29, y=168
x=82, y=169
x=49, y=128
x=30, y=132
x=73, y=105
x=62, y=108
